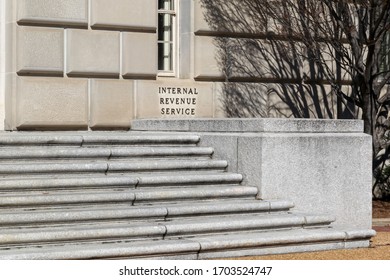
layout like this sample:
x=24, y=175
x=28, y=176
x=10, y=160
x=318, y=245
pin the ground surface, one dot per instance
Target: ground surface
x=379, y=249
x=380, y=209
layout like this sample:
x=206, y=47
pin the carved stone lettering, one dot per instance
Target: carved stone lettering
x=178, y=101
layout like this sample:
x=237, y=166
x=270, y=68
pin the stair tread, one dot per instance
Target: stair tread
x=197, y=189
x=159, y=229
x=133, y=179
x=41, y=151
x=85, y=138
x=215, y=220
x=108, y=166
x=280, y=237
x=193, y=245
x=227, y=206
x=237, y=221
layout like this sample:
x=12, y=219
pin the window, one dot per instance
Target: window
x=166, y=36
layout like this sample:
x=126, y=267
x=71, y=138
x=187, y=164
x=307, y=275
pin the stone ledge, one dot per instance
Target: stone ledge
x=251, y=125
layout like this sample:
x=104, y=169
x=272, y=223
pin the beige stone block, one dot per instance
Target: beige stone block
x=219, y=101
x=139, y=55
x=333, y=67
x=51, y=103
x=174, y=99
x=246, y=59
x=40, y=50
x=111, y=104
x=200, y=23
x=227, y=18
x=10, y=101
x=206, y=55
x=287, y=101
x=93, y=53
x=10, y=7
x=268, y=60
x=124, y=14
x=9, y=45
x=53, y=12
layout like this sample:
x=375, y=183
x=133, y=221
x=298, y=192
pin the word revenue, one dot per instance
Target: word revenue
x=178, y=101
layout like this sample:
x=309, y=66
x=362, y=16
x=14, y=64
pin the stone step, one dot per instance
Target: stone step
x=201, y=247
x=240, y=223
x=87, y=139
x=161, y=229
x=36, y=199
x=281, y=242
x=200, y=193
x=126, y=181
x=80, y=215
x=73, y=153
x=104, y=213
x=81, y=195
x=115, y=166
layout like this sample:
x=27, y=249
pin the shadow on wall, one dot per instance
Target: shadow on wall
x=266, y=75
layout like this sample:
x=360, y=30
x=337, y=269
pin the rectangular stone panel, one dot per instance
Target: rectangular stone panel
x=53, y=12
x=40, y=50
x=111, y=104
x=200, y=22
x=247, y=60
x=93, y=53
x=207, y=66
x=172, y=99
x=132, y=15
x=326, y=172
x=333, y=65
x=139, y=54
x=9, y=100
x=8, y=59
x=230, y=18
x=51, y=103
x=9, y=7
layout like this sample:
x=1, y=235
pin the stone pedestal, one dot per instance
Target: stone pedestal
x=324, y=166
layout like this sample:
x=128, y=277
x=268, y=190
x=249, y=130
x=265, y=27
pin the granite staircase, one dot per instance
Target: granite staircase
x=89, y=195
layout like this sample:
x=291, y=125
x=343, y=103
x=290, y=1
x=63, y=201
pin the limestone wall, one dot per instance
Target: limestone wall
x=92, y=64
x=232, y=43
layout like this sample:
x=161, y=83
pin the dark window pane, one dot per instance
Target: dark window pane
x=165, y=5
x=165, y=27
x=165, y=59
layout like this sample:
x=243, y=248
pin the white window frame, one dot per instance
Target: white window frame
x=175, y=20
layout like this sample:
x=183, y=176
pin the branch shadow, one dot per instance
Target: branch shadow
x=266, y=74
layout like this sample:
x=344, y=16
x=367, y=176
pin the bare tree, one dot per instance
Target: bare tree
x=305, y=44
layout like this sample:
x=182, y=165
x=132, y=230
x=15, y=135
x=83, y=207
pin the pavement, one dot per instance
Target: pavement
x=379, y=249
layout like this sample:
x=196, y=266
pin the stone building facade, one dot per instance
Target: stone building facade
x=98, y=64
